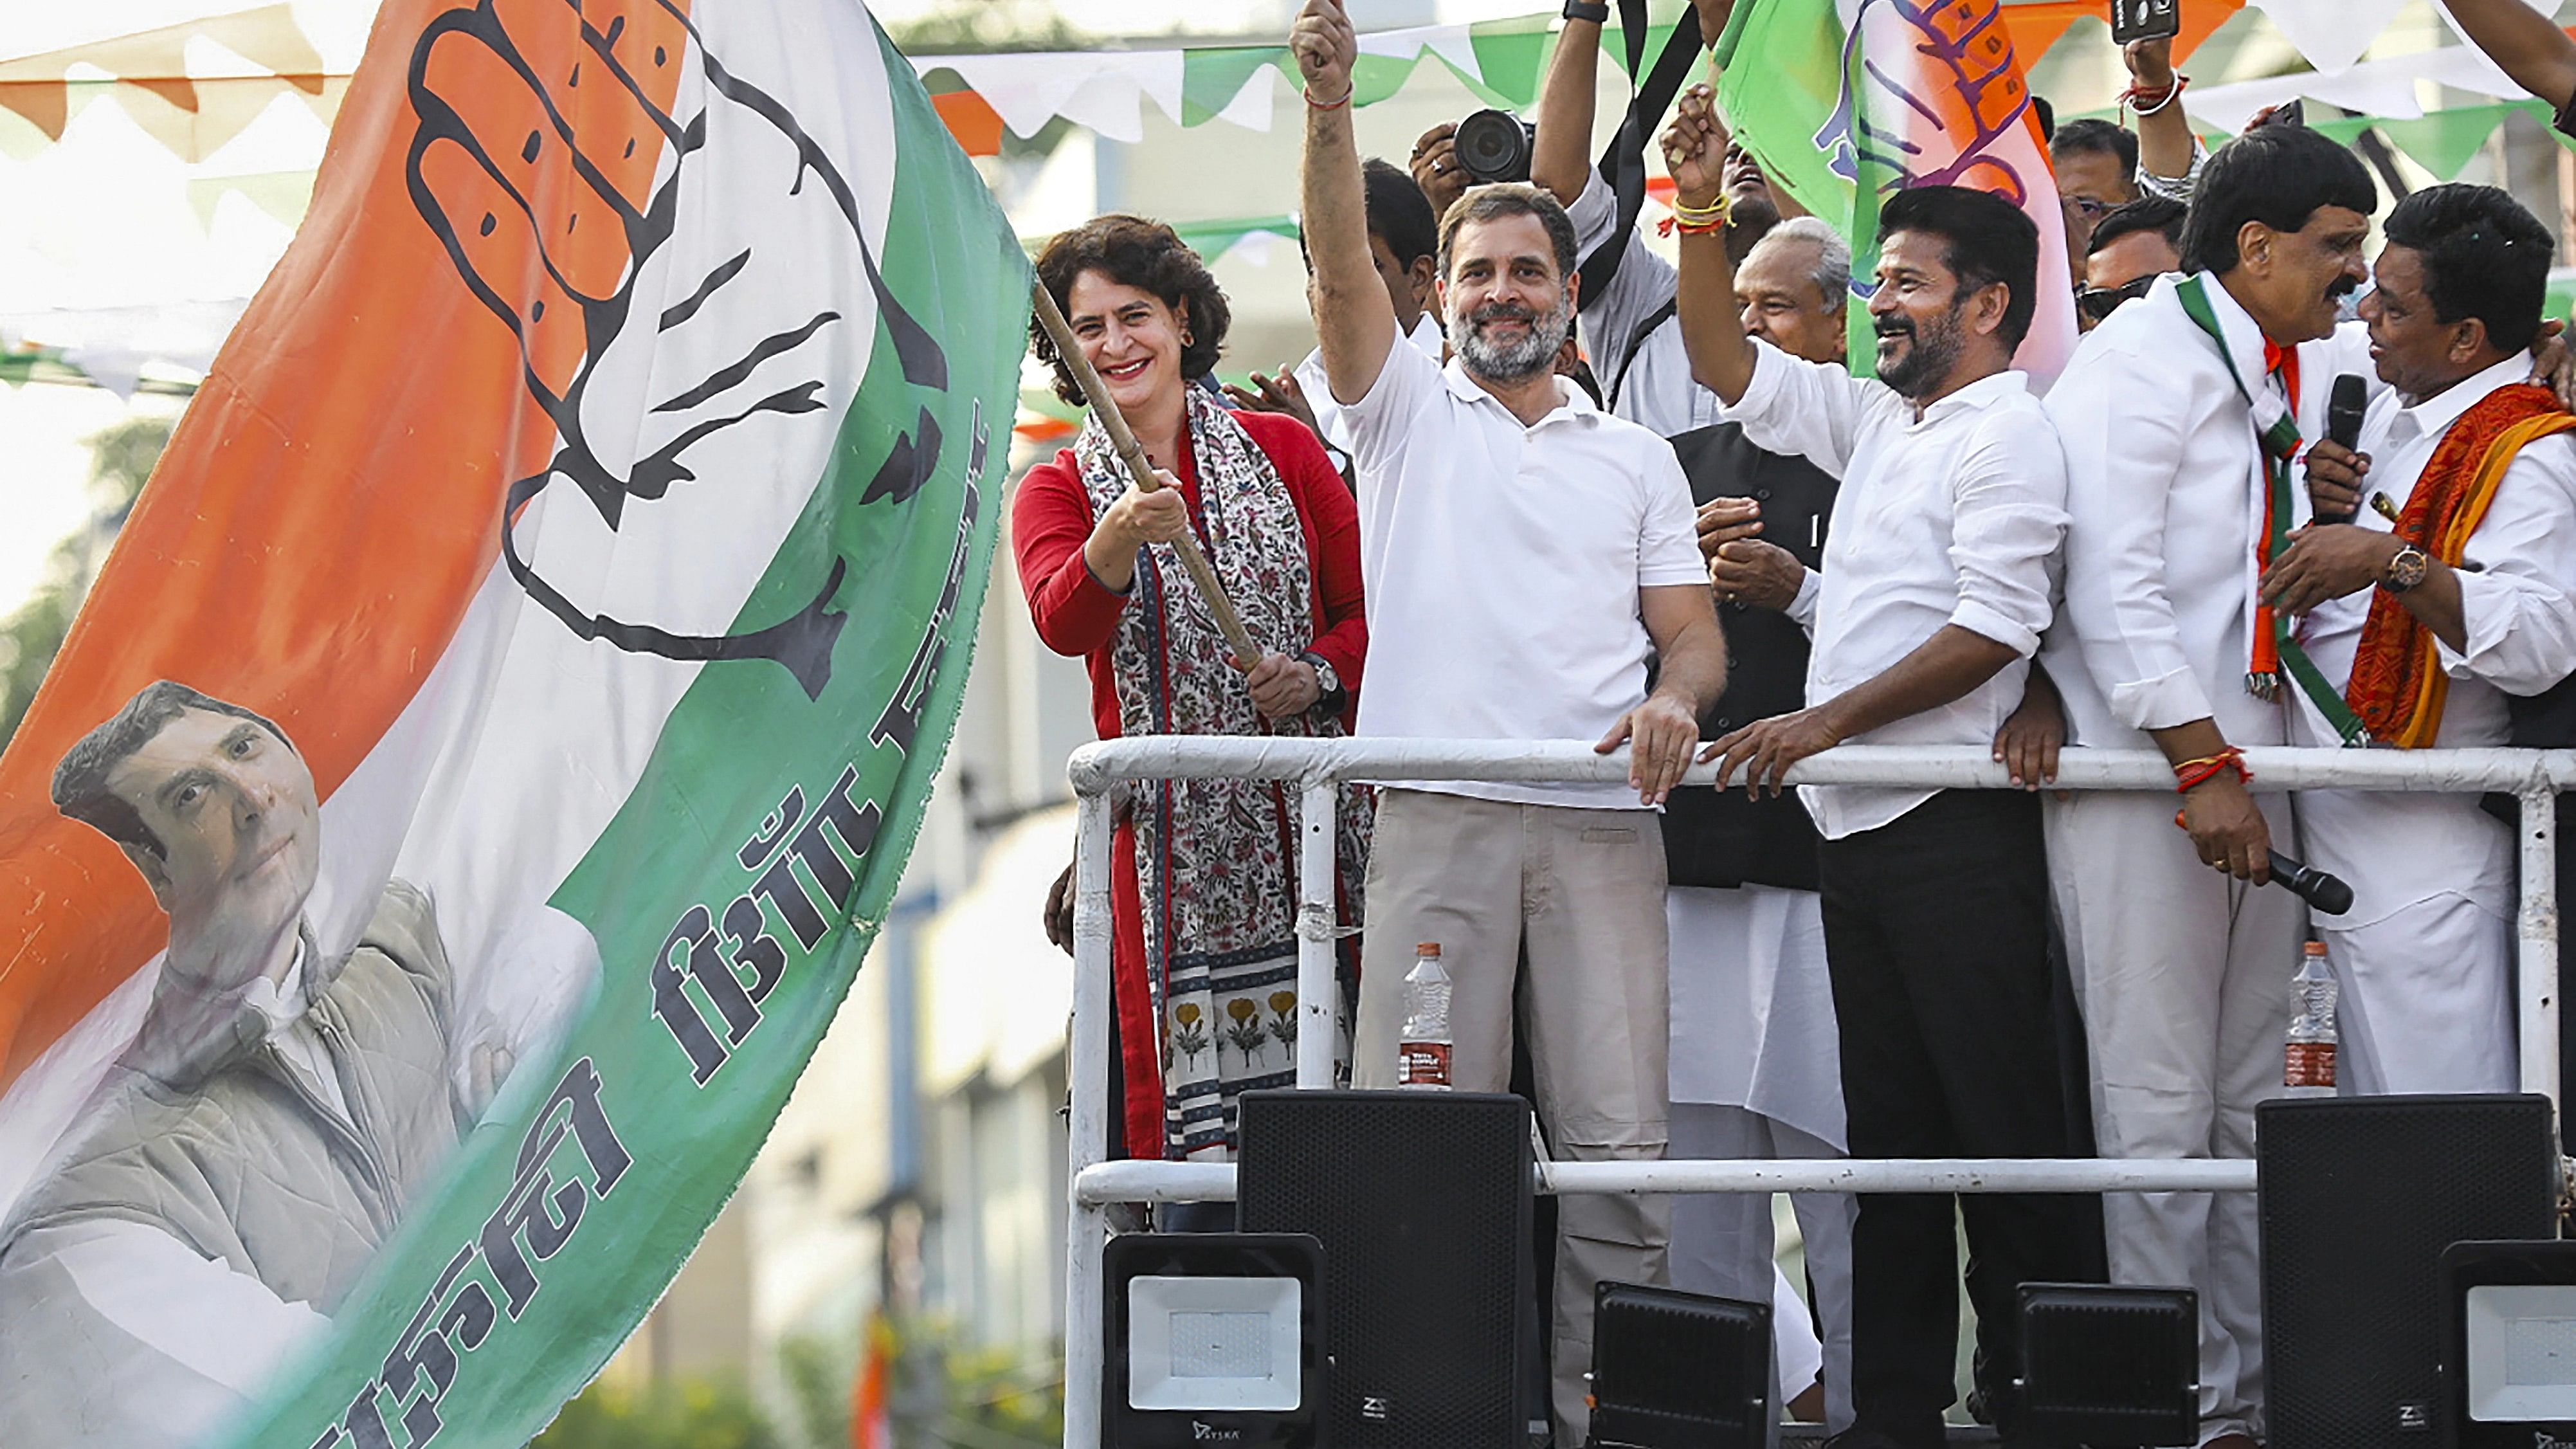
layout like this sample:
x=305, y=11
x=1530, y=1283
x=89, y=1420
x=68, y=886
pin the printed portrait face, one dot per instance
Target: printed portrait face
x=238, y=821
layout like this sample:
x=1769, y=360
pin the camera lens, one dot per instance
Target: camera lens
x=1493, y=146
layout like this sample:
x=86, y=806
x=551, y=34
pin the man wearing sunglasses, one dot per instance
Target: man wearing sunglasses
x=2131, y=247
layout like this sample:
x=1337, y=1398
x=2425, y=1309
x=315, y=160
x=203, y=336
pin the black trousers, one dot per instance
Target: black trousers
x=1937, y=938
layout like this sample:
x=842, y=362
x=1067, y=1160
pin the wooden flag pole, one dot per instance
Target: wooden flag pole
x=1132, y=453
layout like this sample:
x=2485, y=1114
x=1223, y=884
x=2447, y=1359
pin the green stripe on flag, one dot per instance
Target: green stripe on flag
x=507, y=1290
x=1212, y=78
x=1513, y=55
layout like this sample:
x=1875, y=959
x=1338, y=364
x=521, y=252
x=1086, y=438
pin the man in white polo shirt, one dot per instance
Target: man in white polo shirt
x=1525, y=554
x=1938, y=572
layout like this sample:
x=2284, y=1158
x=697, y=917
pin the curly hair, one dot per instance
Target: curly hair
x=1150, y=257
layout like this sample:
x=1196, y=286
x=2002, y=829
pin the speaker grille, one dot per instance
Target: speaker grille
x=1422, y=1202
x=2359, y=1198
x=1679, y=1368
x=2119, y=1365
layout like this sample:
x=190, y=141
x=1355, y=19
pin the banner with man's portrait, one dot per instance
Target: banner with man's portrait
x=471, y=785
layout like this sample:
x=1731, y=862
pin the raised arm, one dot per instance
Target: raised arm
x=1354, y=321
x=1561, y=155
x=2164, y=134
x=1721, y=355
x=2525, y=43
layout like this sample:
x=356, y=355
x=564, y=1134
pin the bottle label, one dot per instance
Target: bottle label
x=2309, y=1064
x=1422, y=1064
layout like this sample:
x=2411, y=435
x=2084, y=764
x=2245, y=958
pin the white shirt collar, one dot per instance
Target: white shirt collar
x=280, y=1000
x=2435, y=414
x=1569, y=398
x=1977, y=396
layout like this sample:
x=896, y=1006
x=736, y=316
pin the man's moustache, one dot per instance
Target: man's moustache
x=1484, y=315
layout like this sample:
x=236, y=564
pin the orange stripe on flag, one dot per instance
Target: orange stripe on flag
x=972, y=120
x=325, y=511
x=2037, y=27
x=2200, y=20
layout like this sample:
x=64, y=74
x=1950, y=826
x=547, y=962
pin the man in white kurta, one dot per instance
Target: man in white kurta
x=2183, y=968
x=2424, y=957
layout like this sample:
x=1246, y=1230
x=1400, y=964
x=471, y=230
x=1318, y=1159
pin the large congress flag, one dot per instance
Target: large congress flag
x=473, y=782
x=1844, y=102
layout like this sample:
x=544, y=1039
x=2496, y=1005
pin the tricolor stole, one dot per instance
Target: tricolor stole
x=2398, y=683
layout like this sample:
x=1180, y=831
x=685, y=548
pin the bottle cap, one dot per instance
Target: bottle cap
x=1427, y=948
x=2316, y=948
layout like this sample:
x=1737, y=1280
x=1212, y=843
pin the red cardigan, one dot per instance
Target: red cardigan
x=1075, y=615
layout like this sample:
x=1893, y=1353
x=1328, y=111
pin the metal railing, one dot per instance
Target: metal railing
x=1319, y=768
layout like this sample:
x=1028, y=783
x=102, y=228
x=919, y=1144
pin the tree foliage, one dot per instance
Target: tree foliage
x=121, y=458
x=694, y=1414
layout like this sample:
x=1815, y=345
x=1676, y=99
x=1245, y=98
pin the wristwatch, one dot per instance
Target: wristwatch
x=1592, y=10
x=1326, y=680
x=2404, y=571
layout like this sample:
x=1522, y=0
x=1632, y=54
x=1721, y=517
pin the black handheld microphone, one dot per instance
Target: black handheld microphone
x=2328, y=894
x=2343, y=426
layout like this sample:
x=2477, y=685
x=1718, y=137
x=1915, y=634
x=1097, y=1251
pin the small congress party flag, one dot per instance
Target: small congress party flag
x=486, y=755
x=1845, y=102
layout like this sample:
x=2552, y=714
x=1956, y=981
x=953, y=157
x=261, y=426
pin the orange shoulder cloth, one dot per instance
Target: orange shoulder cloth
x=2398, y=685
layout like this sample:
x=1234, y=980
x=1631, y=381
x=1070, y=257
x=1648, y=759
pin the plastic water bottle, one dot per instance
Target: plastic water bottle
x=1422, y=1054
x=2308, y=1059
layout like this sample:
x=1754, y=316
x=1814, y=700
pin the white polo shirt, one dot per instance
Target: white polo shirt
x=1426, y=338
x=1953, y=518
x=1503, y=564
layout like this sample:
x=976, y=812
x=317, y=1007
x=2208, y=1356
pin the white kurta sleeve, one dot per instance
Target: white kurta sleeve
x=2008, y=522
x=1802, y=609
x=1813, y=410
x=2520, y=614
x=2123, y=437
x=1640, y=288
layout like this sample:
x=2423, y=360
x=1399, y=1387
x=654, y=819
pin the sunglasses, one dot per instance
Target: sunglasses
x=2101, y=302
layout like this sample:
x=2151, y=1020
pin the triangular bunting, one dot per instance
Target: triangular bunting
x=2443, y=142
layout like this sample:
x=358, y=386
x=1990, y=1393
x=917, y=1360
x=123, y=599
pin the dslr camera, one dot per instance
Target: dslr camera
x=1494, y=146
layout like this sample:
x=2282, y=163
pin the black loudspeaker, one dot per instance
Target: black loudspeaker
x=2106, y=1366
x=1675, y=1370
x=1422, y=1202
x=2360, y=1197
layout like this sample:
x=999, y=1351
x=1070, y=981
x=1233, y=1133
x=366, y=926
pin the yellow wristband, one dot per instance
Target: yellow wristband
x=1718, y=215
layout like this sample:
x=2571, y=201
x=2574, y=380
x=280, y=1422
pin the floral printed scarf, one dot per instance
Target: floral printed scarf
x=1216, y=859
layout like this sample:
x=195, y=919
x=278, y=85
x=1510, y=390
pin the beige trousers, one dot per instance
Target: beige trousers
x=1581, y=893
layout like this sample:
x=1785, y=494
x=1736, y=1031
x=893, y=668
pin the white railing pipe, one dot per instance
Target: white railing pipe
x=1169, y=1182
x=1320, y=767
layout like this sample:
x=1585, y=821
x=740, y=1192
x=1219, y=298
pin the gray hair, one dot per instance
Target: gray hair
x=1832, y=270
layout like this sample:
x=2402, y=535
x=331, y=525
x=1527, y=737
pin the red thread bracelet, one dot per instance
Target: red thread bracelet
x=2132, y=97
x=2192, y=774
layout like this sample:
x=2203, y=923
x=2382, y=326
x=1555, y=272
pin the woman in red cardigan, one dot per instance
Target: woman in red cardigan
x=1205, y=887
